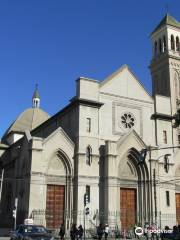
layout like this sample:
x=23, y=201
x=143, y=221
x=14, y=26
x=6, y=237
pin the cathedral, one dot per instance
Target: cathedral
x=114, y=143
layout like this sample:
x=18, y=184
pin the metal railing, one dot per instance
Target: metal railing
x=116, y=220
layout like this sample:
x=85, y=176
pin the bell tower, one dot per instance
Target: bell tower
x=165, y=71
x=36, y=98
x=165, y=64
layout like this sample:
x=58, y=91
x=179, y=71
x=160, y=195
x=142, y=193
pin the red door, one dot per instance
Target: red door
x=127, y=208
x=178, y=208
x=54, y=206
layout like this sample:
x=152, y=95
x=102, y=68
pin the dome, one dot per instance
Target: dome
x=28, y=120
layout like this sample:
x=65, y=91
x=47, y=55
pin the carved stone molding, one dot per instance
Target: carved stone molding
x=175, y=64
x=128, y=106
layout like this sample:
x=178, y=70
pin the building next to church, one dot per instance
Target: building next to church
x=93, y=146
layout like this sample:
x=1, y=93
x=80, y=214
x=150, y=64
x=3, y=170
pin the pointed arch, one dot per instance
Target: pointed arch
x=143, y=184
x=142, y=168
x=66, y=161
x=68, y=185
x=140, y=183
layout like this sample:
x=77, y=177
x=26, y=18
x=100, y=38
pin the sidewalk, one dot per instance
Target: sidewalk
x=7, y=238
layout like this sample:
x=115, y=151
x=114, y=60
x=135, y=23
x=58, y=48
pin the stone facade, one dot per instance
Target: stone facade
x=93, y=146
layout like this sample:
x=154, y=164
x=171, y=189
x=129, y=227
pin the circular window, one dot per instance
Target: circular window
x=127, y=120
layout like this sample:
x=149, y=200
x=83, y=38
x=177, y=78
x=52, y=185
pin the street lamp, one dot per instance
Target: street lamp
x=176, y=117
x=142, y=158
x=166, y=167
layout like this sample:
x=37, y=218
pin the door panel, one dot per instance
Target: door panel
x=55, y=205
x=178, y=208
x=127, y=208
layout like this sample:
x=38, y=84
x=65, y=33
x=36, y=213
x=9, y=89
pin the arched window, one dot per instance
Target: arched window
x=172, y=43
x=160, y=46
x=88, y=155
x=164, y=43
x=155, y=49
x=177, y=44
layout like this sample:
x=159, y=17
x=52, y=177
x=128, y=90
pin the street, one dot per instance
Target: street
x=7, y=238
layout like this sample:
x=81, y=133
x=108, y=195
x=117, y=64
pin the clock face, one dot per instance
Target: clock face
x=127, y=120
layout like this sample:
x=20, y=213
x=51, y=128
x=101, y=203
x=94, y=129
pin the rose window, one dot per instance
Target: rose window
x=128, y=120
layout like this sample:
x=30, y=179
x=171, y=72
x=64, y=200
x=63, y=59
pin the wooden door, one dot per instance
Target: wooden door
x=55, y=206
x=178, y=208
x=127, y=208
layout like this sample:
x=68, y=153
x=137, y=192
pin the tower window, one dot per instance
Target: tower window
x=177, y=44
x=160, y=46
x=164, y=43
x=88, y=155
x=167, y=199
x=172, y=43
x=88, y=192
x=88, y=124
x=155, y=49
x=164, y=137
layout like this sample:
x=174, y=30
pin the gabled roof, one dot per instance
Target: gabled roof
x=134, y=134
x=63, y=133
x=167, y=20
x=120, y=81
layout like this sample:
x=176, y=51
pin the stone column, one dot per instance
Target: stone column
x=111, y=189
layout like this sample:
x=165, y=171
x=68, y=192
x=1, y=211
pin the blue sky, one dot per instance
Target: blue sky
x=53, y=42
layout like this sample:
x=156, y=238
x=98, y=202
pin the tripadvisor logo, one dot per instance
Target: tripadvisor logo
x=139, y=231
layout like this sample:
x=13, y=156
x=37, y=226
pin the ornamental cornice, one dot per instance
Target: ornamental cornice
x=175, y=64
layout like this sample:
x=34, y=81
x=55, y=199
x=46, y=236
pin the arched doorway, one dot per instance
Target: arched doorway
x=134, y=191
x=58, y=193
